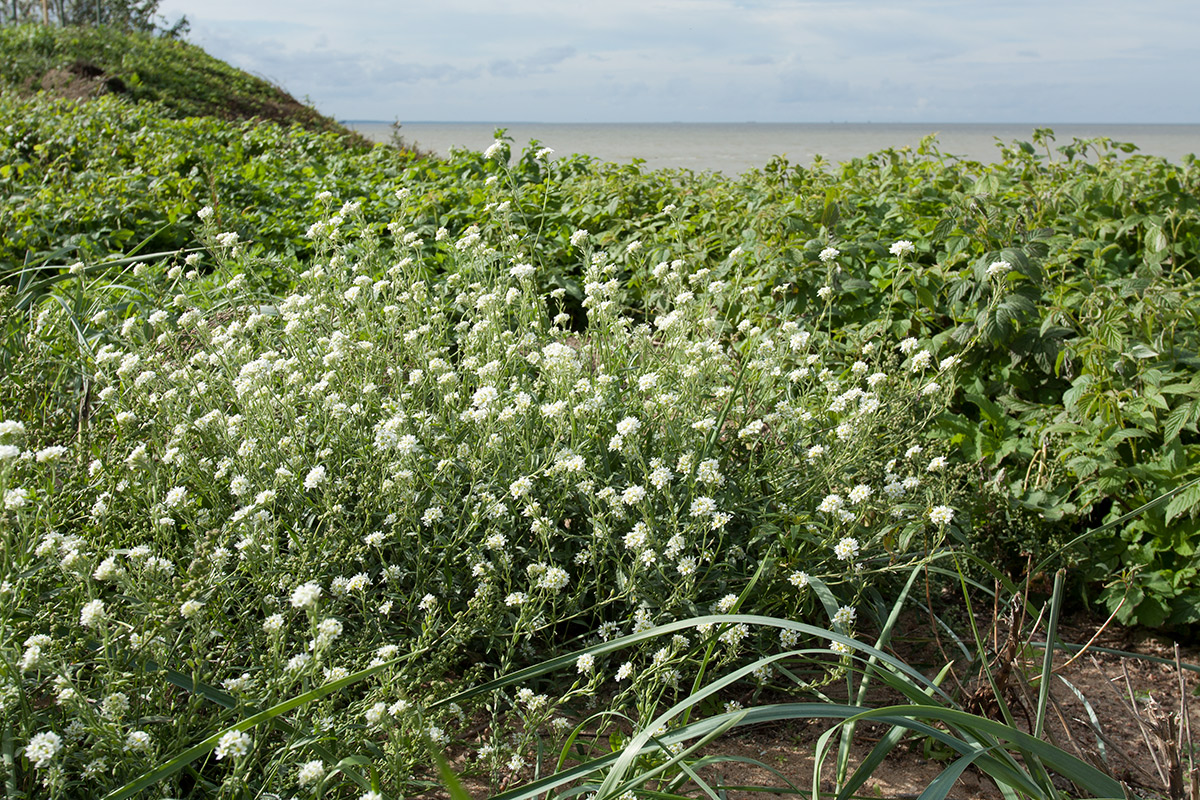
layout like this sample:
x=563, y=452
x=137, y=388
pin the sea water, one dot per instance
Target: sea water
x=734, y=148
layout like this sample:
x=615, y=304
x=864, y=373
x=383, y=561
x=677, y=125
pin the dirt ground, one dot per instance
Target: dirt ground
x=1127, y=746
x=1103, y=680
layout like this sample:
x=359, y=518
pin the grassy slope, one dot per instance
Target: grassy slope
x=183, y=79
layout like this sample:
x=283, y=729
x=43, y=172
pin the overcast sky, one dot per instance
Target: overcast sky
x=1035, y=61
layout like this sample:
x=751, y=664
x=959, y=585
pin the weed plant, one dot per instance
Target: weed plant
x=394, y=482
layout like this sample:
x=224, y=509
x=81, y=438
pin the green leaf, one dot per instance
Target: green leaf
x=1126, y=433
x=1176, y=420
x=943, y=228
x=940, y=786
x=1186, y=502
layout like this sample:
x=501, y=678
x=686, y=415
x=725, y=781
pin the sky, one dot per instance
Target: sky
x=1021, y=61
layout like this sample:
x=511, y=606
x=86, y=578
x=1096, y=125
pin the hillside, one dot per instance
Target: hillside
x=84, y=63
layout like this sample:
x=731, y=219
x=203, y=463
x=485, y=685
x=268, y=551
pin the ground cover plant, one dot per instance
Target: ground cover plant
x=317, y=458
x=377, y=467
x=1079, y=402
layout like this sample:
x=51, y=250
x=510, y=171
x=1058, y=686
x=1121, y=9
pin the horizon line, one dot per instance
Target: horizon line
x=348, y=120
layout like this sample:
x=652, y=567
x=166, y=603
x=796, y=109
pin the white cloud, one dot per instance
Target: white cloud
x=692, y=60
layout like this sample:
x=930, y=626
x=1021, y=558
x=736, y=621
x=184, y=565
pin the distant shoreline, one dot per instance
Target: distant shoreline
x=1030, y=125
x=733, y=148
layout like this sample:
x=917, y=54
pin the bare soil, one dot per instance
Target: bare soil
x=1127, y=738
x=1129, y=745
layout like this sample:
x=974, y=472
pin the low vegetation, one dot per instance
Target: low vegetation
x=317, y=458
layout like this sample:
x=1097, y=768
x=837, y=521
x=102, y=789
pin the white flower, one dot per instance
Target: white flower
x=15, y=498
x=579, y=237
x=138, y=741
x=298, y=662
x=998, y=269
x=310, y=772
x=585, y=664
x=234, y=744
x=92, y=614
x=825, y=292
x=708, y=471
x=205, y=212
x=941, y=515
x=375, y=714
x=50, y=454
x=315, y=477
x=831, y=504
x=846, y=548
x=495, y=149
x=554, y=578
x=936, y=464
x=115, y=705
x=829, y=254
x=703, y=507
x=520, y=487
x=901, y=247
x=799, y=579
x=633, y=495
x=190, y=608
x=845, y=615
x=306, y=595
x=42, y=748
x=175, y=497
x=629, y=426
x=624, y=671
x=860, y=493
x=516, y=599
x=636, y=538
x=725, y=604
x=328, y=630
x=11, y=427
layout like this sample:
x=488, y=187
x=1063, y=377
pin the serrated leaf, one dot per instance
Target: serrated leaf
x=1071, y=396
x=1186, y=502
x=1177, y=419
x=1156, y=240
x=1127, y=433
x=1155, y=398
x=943, y=228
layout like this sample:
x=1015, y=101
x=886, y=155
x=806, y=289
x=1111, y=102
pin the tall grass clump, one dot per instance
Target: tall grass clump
x=282, y=528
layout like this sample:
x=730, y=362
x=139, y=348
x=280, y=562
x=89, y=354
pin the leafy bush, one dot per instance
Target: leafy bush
x=379, y=465
x=1048, y=416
